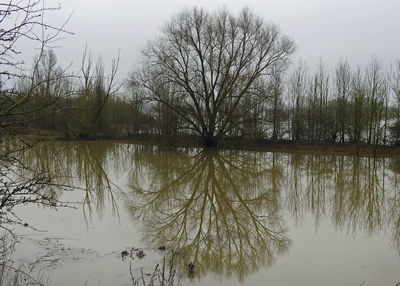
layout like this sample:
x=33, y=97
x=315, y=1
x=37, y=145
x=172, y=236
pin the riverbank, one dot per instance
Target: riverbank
x=347, y=149
x=235, y=143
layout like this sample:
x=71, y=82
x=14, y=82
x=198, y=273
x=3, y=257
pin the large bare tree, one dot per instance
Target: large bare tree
x=205, y=66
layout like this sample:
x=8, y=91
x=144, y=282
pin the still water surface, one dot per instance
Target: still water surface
x=226, y=218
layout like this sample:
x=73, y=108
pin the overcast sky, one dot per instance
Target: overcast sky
x=331, y=29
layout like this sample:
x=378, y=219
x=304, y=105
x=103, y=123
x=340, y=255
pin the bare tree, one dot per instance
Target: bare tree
x=320, y=93
x=343, y=86
x=276, y=105
x=358, y=98
x=95, y=90
x=376, y=93
x=20, y=20
x=24, y=20
x=395, y=128
x=297, y=89
x=210, y=63
x=396, y=88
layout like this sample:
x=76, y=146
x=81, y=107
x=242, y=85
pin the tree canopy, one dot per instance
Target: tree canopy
x=205, y=67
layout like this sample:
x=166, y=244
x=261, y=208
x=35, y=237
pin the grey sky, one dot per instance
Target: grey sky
x=331, y=29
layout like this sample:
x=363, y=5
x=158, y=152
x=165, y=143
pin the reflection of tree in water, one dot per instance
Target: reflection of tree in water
x=394, y=213
x=221, y=210
x=395, y=220
x=23, y=182
x=359, y=197
x=20, y=184
x=39, y=173
x=213, y=208
x=357, y=194
x=84, y=165
x=171, y=189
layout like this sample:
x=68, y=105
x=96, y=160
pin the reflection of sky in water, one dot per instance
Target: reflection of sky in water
x=333, y=220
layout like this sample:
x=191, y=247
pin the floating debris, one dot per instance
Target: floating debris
x=190, y=269
x=140, y=254
x=124, y=254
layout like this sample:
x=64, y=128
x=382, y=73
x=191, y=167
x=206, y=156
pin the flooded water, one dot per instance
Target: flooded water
x=210, y=218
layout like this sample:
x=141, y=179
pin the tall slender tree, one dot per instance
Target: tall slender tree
x=343, y=86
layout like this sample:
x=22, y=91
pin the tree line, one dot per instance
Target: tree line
x=351, y=105
x=211, y=76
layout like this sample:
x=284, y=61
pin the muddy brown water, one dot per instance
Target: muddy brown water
x=212, y=218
